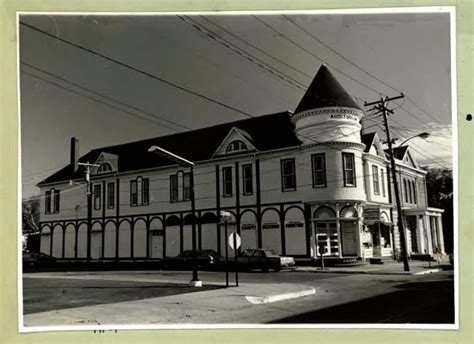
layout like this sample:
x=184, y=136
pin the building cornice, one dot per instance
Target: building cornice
x=254, y=155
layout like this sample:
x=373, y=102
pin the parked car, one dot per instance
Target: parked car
x=36, y=259
x=262, y=259
x=184, y=260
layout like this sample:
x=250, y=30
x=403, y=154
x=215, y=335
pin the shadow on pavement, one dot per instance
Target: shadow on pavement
x=416, y=302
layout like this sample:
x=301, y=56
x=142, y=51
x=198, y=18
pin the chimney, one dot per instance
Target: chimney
x=74, y=153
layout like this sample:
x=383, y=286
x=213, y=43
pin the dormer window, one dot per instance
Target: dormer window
x=104, y=168
x=236, y=146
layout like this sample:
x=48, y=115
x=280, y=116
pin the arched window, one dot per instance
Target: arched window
x=348, y=212
x=324, y=213
x=236, y=146
x=104, y=168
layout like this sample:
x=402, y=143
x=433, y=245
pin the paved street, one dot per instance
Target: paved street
x=149, y=297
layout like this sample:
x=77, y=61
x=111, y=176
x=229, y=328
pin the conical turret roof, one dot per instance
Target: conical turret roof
x=325, y=91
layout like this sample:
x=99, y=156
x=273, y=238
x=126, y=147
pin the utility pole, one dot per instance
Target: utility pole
x=381, y=106
x=89, y=205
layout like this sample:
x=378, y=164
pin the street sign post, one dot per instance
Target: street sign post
x=234, y=243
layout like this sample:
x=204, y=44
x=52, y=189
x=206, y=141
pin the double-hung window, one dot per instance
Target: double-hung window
x=145, y=191
x=97, y=196
x=288, y=175
x=180, y=187
x=247, y=179
x=52, y=201
x=110, y=195
x=349, y=169
x=186, y=186
x=415, y=193
x=375, y=179
x=139, y=191
x=174, y=188
x=227, y=181
x=382, y=181
x=47, y=202
x=318, y=162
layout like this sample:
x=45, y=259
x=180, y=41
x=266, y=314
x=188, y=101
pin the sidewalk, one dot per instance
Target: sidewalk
x=389, y=267
x=206, y=307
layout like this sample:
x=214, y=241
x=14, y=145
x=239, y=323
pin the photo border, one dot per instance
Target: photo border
x=12, y=118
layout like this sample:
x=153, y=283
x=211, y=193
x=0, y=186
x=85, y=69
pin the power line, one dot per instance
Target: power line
x=95, y=99
x=257, y=48
x=253, y=59
x=159, y=117
x=357, y=66
x=314, y=55
x=137, y=70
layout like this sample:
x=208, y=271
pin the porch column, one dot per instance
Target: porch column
x=434, y=235
x=439, y=228
x=360, y=225
x=427, y=226
x=338, y=229
x=421, y=235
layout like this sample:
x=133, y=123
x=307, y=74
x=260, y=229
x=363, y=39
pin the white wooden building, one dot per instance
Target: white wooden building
x=292, y=181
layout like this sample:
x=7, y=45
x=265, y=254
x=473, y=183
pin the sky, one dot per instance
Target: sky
x=239, y=64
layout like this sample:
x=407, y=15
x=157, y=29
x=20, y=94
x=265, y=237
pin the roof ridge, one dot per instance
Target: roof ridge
x=190, y=131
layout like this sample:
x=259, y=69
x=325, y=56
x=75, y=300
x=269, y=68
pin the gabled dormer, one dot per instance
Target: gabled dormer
x=236, y=141
x=373, y=145
x=409, y=160
x=107, y=163
x=404, y=156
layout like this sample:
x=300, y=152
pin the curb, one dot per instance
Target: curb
x=368, y=272
x=256, y=300
x=426, y=272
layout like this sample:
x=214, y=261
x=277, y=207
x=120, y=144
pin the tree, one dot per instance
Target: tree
x=439, y=184
x=30, y=216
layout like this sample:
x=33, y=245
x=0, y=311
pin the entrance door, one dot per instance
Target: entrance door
x=348, y=233
x=326, y=236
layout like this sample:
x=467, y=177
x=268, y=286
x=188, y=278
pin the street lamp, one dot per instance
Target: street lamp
x=195, y=282
x=423, y=135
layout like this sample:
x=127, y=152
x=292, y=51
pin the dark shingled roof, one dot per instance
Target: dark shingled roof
x=367, y=140
x=398, y=152
x=268, y=132
x=325, y=91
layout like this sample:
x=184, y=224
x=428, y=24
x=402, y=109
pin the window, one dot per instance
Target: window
x=51, y=201
x=410, y=193
x=405, y=187
x=288, y=175
x=375, y=179
x=349, y=169
x=139, y=191
x=227, y=181
x=415, y=193
x=56, y=201
x=382, y=181
x=180, y=187
x=104, y=168
x=145, y=191
x=47, y=204
x=110, y=195
x=186, y=186
x=133, y=193
x=247, y=179
x=236, y=146
x=318, y=162
x=173, y=188
x=97, y=196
